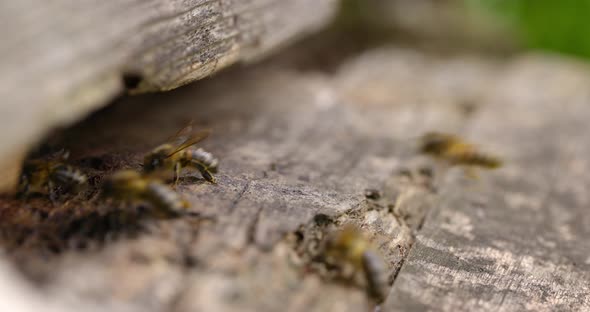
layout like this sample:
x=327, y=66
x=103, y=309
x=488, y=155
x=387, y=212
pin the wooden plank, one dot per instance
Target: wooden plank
x=293, y=145
x=517, y=239
x=63, y=59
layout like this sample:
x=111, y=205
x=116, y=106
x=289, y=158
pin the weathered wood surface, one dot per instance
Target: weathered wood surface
x=63, y=59
x=297, y=144
x=518, y=240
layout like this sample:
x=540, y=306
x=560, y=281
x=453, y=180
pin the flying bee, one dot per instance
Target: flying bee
x=455, y=151
x=44, y=176
x=176, y=156
x=350, y=247
x=131, y=186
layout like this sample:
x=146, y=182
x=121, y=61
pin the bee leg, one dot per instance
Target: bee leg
x=207, y=175
x=177, y=169
x=51, y=192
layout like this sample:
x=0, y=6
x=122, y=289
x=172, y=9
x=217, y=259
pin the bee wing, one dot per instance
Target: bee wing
x=183, y=132
x=190, y=141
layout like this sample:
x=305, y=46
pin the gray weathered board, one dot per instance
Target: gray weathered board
x=518, y=241
x=63, y=59
x=296, y=144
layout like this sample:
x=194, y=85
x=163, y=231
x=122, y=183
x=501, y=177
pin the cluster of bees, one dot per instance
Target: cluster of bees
x=347, y=247
x=163, y=164
x=350, y=247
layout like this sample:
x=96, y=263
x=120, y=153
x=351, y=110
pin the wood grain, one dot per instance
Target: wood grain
x=63, y=59
x=515, y=240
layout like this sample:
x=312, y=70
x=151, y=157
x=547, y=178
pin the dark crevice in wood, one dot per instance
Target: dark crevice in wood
x=407, y=252
x=132, y=80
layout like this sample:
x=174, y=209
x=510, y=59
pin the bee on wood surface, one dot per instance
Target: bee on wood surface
x=455, y=151
x=350, y=247
x=173, y=157
x=131, y=186
x=44, y=176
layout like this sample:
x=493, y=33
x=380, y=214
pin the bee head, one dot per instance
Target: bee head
x=433, y=142
x=153, y=161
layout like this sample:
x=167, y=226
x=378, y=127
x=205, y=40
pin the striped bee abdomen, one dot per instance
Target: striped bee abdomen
x=376, y=276
x=205, y=158
x=479, y=159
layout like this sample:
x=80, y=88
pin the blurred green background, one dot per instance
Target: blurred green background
x=488, y=25
x=557, y=25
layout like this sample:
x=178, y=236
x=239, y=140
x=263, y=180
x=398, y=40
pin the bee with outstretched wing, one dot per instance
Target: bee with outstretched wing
x=174, y=156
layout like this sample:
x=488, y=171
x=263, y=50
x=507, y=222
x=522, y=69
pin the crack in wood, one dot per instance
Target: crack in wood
x=236, y=200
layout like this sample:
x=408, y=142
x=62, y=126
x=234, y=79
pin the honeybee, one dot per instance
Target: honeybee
x=350, y=247
x=44, y=176
x=131, y=186
x=455, y=151
x=176, y=156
